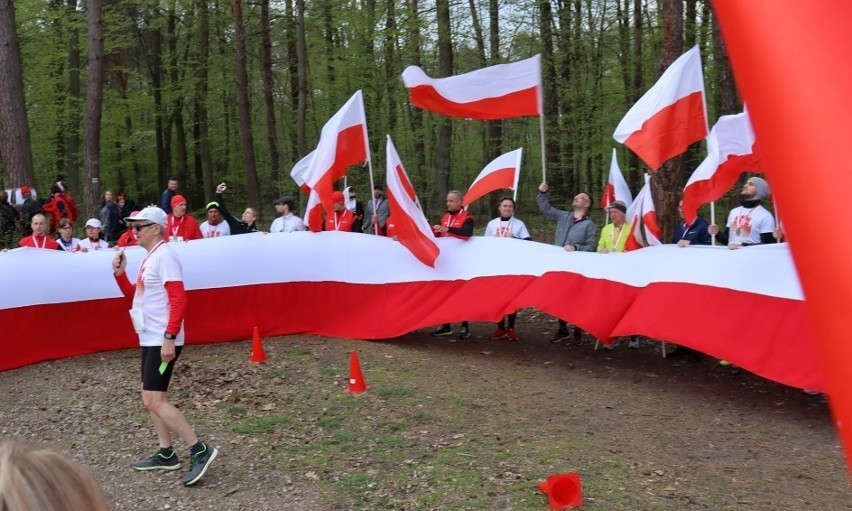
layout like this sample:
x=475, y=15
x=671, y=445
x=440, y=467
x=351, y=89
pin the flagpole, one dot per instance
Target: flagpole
x=543, y=156
x=373, y=195
x=713, y=222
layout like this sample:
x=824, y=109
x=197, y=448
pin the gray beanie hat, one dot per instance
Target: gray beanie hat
x=761, y=186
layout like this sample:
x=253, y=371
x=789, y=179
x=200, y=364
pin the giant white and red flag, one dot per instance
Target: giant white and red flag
x=501, y=173
x=670, y=116
x=497, y=92
x=616, y=187
x=300, y=171
x=343, y=142
x=730, y=152
x=412, y=229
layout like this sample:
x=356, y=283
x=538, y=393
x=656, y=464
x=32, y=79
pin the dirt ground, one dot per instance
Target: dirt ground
x=445, y=424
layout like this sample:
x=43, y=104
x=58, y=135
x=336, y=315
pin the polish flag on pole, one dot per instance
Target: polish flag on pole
x=343, y=142
x=412, y=228
x=616, y=187
x=670, y=116
x=503, y=91
x=635, y=216
x=500, y=174
x=300, y=169
x=649, y=216
x=730, y=152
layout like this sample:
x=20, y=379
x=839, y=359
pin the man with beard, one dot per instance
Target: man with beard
x=750, y=223
x=575, y=232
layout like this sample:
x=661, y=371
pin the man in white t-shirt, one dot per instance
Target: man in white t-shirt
x=287, y=221
x=92, y=240
x=215, y=225
x=159, y=305
x=750, y=223
x=506, y=226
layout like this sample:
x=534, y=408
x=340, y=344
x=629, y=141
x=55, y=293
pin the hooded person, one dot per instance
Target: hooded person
x=341, y=218
x=60, y=205
x=180, y=225
x=749, y=223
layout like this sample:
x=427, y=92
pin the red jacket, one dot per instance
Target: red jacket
x=128, y=239
x=340, y=221
x=39, y=242
x=186, y=227
x=456, y=221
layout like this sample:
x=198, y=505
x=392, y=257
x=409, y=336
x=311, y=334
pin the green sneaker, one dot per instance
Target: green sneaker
x=199, y=463
x=158, y=462
x=442, y=332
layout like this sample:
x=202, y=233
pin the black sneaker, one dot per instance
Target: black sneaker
x=442, y=332
x=560, y=336
x=198, y=464
x=158, y=462
x=465, y=333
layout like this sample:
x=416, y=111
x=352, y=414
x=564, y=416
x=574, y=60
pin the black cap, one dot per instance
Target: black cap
x=619, y=206
x=286, y=199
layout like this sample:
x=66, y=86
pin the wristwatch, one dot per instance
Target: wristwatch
x=169, y=336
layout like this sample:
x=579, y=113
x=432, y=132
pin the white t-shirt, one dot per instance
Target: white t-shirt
x=214, y=231
x=287, y=223
x=88, y=244
x=159, y=266
x=513, y=228
x=746, y=225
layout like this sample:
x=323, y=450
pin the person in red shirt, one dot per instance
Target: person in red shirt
x=39, y=237
x=181, y=227
x=60, y=205
x=129, y=237
x=456, y=223
x=341, y=218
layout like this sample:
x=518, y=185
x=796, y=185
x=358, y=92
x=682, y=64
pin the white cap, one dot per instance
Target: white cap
x=152, y=214
x=93, y=222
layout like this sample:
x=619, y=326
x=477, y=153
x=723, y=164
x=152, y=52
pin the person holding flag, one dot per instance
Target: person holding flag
x=456, y=223
x=506, y=226
x=575, y=232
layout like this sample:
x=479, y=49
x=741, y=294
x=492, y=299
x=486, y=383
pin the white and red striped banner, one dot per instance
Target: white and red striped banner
x=663, y=292
x=496, y=92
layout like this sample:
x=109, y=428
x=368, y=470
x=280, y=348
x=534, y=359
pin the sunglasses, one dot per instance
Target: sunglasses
x=137, y=227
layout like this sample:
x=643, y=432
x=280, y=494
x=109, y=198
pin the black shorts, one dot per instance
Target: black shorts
x=151, y=377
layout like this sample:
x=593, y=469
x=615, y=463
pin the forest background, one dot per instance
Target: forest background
x=122, y=94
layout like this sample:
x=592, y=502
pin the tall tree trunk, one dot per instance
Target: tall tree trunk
x=548, y=76
x=666, y=182
x=201, y=131
x=94, y=110
x=636, y=91
x=302, y=54
x=15, y=148
x=182, y=170
x=159, y=111
x=75, y=102
x=444, y=129
x=418, y=160
x=563, y=93
x=293, y=71
x=330, y=58
x=60, y=94
x=726, y=96
x=269, y=103
x=243, y=106
x=494, y=146
x=391, y=66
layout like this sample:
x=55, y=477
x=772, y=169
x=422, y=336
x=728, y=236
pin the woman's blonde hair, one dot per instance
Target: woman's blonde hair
x=43, y=480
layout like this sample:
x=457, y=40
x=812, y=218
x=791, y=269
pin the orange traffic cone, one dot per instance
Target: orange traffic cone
x=563, y=491
x=257, y=354
x=356, y=378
